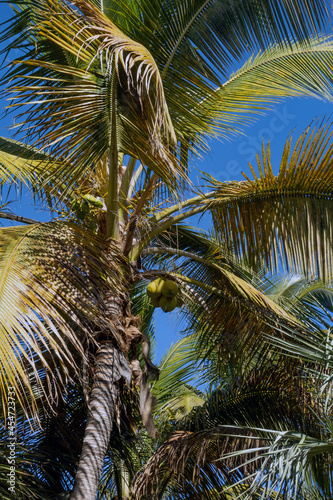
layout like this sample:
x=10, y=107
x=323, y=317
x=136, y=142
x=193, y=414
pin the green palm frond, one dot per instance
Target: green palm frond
x=205, y=248
x=27, y=167
x=46, y=456
x=26, y=484
x=187, y=458
x=297, y=69
x=177, y=369
x=142, y=307
x=187, y=465
x=296, y=462
x=313, y=353
x=204, y=40
x=83, y=68
x=183, y=401
x=223, y=304
x=214, y=33
x=268, y=397
x=190, y=460
x=310, y=301
x=233, y=26
x=294, y=465
x=318, y=301
x=20, y=162
x=283, y=218
x=196, y=49
x=51, y=278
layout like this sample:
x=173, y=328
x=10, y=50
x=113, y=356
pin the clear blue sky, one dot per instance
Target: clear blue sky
x=225, y=162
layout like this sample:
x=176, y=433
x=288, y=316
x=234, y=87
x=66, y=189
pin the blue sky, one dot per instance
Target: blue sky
x=225, y=162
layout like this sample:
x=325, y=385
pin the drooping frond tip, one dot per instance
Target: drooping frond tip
x=136, y=69
x=81, y=71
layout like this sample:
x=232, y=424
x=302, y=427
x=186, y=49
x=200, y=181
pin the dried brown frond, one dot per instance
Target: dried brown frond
x=191, y=460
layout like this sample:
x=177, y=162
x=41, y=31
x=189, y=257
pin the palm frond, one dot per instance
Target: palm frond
x=197, y=42
x=310, y=301
x=20, y=162
x=294, y=465
x=51, y=279
x=192, y=43
x=283, y=218
x=223, y=305
x=22, y=166
x=220, y=31
x=289, y=69
x=82, y=56
x=177, y=369
x=196, y=458
x=46, y=456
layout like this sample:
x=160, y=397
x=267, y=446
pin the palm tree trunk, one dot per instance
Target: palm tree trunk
x=111, y=367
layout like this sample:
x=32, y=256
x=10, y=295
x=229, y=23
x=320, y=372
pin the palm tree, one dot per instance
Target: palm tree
x=265, y=431
x=46, y=459
x=101, y=86
x=266, y=394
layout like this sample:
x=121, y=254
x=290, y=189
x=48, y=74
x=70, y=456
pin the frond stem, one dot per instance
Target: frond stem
x=112, y=220
x=180, y=253
x=137, y=249
x=18, y=218
x=134, y=180
x=151, y=183
x=125, y=185
x=175, y=208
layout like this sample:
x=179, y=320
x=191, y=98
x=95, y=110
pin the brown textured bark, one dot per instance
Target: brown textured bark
x=119, y=331
x=111, y=368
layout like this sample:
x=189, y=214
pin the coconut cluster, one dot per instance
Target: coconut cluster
x=82, y=206
x=163, y=294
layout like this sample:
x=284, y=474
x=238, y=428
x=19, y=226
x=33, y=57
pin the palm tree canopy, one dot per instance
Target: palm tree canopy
x=101, y=85
x=90, y=75
x=73, y=50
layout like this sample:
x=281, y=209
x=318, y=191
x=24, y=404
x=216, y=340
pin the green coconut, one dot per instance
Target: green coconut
x=97, y=202
x=154, y=289
x=169, y=288
x=168, y=304
x=85, y=207
x=179, y=302
x=155, y=301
